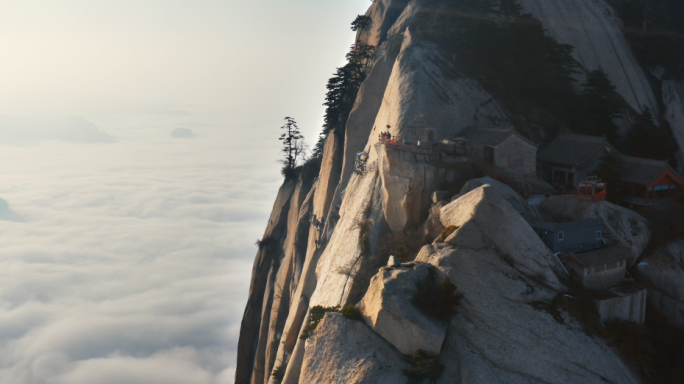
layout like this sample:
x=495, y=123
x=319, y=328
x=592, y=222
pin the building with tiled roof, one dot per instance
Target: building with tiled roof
x=648, y=182
x=502, y=147
x=570, y=158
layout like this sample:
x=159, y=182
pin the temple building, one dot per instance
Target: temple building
x=648, y=182
x=502, y=147
x=570, y=158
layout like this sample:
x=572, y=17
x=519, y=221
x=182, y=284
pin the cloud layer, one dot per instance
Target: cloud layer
x=130, y=262
x=18, y=131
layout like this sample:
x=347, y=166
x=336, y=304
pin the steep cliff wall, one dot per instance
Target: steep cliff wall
x=411, y=84
x=593, y=28
x=282, y=248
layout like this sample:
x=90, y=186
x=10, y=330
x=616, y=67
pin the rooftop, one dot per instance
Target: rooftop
x=599, y=256
x=573, y=150
x=643, y=171
x=557, y=227
x=492, y=136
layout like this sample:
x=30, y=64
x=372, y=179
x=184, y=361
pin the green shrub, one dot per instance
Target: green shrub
x=424, y=366
x=351, y=312
x=446, y=233
x=278, y=374
x=364, y=227
x=265, y=242
x=439, y=301
x=316, y=314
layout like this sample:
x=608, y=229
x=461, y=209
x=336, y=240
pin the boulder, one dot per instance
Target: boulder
x=501, y=334
x=433, y=225
x=469, y=235
x=663, y=272
x=506, y=229
x=516, y=201
x=346, y=351
x=438, y=196
x=387, y=308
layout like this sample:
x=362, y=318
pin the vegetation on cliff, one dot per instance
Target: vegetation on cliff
x=532, y=75
x=656, y=32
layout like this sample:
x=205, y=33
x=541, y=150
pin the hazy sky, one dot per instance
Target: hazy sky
x=126, y=254
x=245, y=59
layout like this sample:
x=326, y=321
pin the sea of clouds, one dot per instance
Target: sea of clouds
x=128, y=260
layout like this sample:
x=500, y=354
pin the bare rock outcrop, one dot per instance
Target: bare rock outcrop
x=406, y=187
x=469, y=235
x=673, y=98
x=516, y=201
x=501, y=334
x=433, y=225
x=425, y=83
x=595, y=31
x=621, y=225
x=387, y=308
x=506, y=229
x=341, y=258
x=346, y=351
x=256, y=319
x=663, y=271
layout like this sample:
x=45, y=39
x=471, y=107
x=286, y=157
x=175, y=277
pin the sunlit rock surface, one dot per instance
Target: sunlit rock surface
x=346, y=351
x=387, y=308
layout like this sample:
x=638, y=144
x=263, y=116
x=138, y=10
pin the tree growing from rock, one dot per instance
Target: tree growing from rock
x=360, y=23
x=598, y=106
x=293, y=146
x=646, y=139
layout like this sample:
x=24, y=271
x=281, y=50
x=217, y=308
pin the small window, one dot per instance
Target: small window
x=561, y=236
x=516, y=161
x=598, y=235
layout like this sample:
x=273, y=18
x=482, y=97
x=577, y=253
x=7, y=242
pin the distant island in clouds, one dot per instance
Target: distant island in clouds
x=183, y=133
x=20, y=131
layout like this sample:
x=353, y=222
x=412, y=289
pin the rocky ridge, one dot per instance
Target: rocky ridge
x=499, y=325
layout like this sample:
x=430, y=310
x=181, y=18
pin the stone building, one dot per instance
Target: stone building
x=419, y=131
x=570, y=158
x=502, y=147
x=599, y=268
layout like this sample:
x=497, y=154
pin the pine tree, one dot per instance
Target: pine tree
x=360, y=23
x=598, y=106
x=293, y=146
x=646, y=139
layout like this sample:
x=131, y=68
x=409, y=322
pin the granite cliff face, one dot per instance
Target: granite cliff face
x=494, y=257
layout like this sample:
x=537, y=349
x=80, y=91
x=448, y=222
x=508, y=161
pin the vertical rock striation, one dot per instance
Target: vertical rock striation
x=498, y=263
